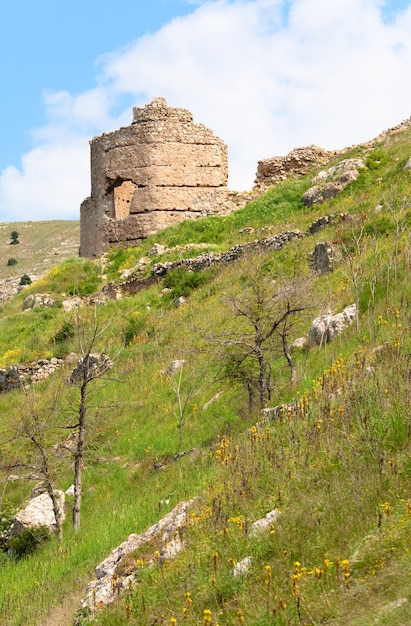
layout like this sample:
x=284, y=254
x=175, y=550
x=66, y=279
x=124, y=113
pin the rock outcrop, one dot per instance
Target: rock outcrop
x=114, y=575
x=298, y=162
x=160, y=170
x=326, y=327
x=329, y=183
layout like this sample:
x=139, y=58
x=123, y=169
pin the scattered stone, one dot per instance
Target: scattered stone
x=407, y=166
x=174, y=366
x=157, y=249
x=242, y=568
x=264, y=524
x=91, y=366
x=300, y=343
x=37, y=300
x=212, y=400
x=69, y=304
x=70, y=491
x=329, y=183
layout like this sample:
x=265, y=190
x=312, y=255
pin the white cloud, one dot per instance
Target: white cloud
x=265, y=75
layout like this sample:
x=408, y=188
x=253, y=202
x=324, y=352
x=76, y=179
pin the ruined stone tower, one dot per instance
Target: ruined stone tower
x=160, y=170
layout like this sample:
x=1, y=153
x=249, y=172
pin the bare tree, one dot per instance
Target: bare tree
x=260, y=325
x=31, y=448
x=91, y=367
x=185, y=387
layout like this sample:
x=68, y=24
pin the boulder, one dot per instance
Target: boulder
x=39, y=512
x=326, y=327
x=407, y=166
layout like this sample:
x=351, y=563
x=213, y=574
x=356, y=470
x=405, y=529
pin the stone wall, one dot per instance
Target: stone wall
x=160, y=170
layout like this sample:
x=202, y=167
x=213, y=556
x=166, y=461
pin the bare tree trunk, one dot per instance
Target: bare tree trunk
x=78, y=457
x=287, y=354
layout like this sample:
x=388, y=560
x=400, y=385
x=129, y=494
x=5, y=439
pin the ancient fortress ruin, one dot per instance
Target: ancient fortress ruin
x=160, y=170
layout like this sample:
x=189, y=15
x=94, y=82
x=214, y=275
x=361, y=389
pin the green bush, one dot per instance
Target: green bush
x=25, y=280
x=134, y=327
x=12, y=262
x=182, y=282
x=14, y=237
x=27, y=542
x=376, y=159
x=383, y=225
x=66, y=331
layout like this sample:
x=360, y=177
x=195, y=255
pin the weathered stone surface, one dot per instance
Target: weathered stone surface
x=298, y=162
x=39, y=512
x=89, y=367
x=36, y=300
x=326, y=327
x=264, y=524
x=329, y=183
x=407, y=166
x=324, y=257
x=23, y=374
x=110, y=579
x=161, y=169
x=242, y=568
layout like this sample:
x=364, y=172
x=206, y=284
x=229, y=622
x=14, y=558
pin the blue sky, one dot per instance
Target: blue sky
x=265, y=75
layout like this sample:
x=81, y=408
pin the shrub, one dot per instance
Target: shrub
x=67, y=331
x=381, y=226
x=182, y=282
x=133, y=329
x=376, y=159
x=12, y=262
x=14, y=237
x=25, y=280
x=26, y=543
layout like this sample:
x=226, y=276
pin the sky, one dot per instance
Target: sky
x=266, y=76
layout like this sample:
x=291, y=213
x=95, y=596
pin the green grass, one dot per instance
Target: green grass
x=337, y=467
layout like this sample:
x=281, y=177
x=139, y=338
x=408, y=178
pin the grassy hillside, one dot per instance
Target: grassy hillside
x=336, y=462
x=41, y=246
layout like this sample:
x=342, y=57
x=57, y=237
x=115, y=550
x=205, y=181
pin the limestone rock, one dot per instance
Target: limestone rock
x=36, y=300
x=89, y=367
x=407, y=166
x=329, y=183
x=39, y=512
x=242, y=568
x=326, y=327
x=264, y=524
x=111, y=582
x=174, y=366
x=324, y=257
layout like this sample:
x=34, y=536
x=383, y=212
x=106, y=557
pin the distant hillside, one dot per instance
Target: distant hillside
x=42, y=246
